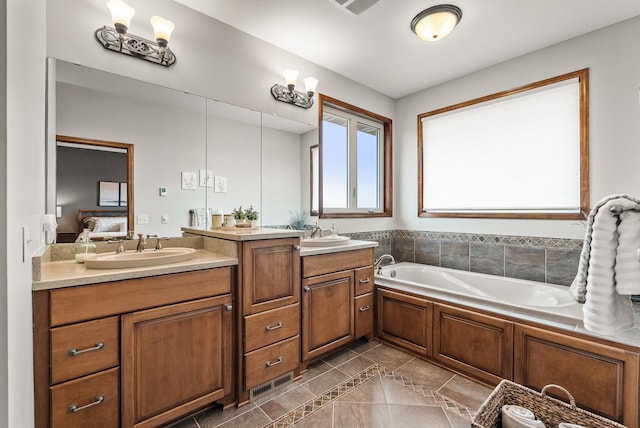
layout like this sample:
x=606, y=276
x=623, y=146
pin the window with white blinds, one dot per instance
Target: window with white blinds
x=520, y=153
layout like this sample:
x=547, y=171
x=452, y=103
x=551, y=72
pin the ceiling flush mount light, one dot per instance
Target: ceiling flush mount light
x=436, y=22
x=117, y=39
x=288, y=94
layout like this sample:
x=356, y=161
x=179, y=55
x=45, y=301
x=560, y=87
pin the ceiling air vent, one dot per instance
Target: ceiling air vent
x=354, y=6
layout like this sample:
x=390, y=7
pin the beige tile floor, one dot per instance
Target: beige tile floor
x=368, y=384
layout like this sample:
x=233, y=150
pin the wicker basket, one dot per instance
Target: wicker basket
x=549, y=410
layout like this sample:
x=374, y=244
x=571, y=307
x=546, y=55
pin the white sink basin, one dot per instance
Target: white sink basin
x=326, y=241
x=134, y=259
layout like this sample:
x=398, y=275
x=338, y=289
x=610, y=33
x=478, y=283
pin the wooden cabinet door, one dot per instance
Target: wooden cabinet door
x=327, y=313
x=405, y=320
x=175, y=359
x=602, y=379
x=270, y=274
x=363, y=311
x=477, y=344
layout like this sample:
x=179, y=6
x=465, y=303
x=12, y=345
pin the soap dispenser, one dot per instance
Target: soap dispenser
x=333, y=231
x=84, y=247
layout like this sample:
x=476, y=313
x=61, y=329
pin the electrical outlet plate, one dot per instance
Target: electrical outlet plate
x=164, y=218
x=163, y=191
x=142, y=219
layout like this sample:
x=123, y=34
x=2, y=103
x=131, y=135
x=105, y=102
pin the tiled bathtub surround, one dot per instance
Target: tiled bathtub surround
x=551, y=260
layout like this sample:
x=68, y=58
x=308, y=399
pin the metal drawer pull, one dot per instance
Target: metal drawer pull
x=228, y=307
x=297, y=247
x=363, y=309
x=275, y=327
x=306, y=289
x=365, y=281
x=275, y=363
x=76, y=408
x=73, y=352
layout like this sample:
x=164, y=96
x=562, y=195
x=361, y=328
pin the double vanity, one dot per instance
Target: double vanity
x=144, y=346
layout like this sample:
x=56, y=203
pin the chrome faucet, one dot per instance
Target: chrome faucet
x=316, y=229
x=142, y=241
x=159, y=242
x=378, y=263
x=120, y=243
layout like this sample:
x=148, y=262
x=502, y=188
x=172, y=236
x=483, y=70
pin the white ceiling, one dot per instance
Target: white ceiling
x=378, y=49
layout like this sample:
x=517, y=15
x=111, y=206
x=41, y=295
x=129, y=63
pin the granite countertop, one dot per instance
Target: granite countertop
x=244, y=234
x=352, y=244
x=68, y=273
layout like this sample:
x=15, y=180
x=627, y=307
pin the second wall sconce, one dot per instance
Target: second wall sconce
x=117, y=39
x=288, y=94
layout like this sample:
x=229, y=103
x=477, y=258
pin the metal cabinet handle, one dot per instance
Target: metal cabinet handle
x=365, y=281
x=297, y=247
x=228, y=307
x=73, y=352
x=275, y=327
x=364, y=309
x=275, y=363
x=74, y=408
x=306, y=289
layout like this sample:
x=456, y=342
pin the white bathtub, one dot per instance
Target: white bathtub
x=508, y=294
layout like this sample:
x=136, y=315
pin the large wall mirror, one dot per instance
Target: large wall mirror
x=193, y=155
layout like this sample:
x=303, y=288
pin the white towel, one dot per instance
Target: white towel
x=200, y=217
x=608, y=267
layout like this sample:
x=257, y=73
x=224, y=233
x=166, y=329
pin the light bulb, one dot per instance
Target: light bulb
x=162, y=29
x=121, y=14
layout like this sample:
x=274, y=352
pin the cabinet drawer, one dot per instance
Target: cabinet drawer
x=91, y=401
x=364, y=280
x=364, y=315
x=86, y=302
x=272, y=361
x=84, y=348
x=334, y=262
x=271, y=326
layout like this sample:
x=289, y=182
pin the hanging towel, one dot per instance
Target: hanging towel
x=608, y=268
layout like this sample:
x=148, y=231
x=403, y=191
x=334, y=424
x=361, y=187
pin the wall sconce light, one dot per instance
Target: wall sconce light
x=288, y=94
x=117, y=39
x=436, y=22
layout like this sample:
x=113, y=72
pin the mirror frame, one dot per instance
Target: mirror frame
x=113, y=144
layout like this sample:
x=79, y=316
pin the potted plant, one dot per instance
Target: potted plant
x=239, y=215
x=251, y=215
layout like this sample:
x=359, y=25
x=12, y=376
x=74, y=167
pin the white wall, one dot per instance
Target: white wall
x=611, y=54
x=24, y=162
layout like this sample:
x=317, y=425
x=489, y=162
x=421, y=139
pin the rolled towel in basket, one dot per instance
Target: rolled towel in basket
x=568, y=425
x=519, y=417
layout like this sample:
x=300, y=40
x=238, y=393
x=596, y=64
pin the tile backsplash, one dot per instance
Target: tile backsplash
x=552, y=260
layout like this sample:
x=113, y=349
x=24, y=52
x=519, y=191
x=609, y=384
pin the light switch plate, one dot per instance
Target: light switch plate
x=142, y=219
x=164, y=218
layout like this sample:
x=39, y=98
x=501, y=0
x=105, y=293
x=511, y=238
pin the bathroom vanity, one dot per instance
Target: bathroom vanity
x=141, y=347
x=337, y=300
x=112, y=352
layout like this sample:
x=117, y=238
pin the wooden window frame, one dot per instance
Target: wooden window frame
x=583, y=84
x=387, y=163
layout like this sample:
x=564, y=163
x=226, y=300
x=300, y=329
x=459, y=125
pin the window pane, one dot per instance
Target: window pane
x=335, y=161
x=368, y=154
x=519, y=153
